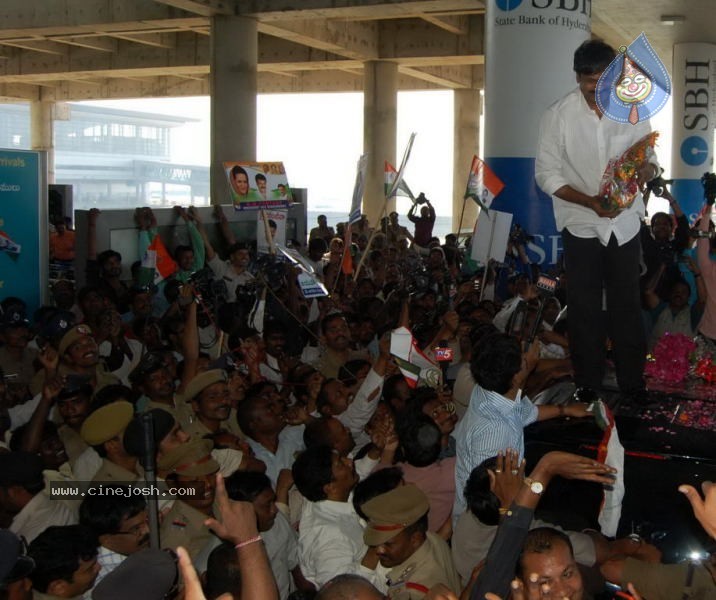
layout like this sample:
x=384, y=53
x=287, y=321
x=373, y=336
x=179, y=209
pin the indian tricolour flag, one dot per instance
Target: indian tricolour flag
x=610, y=452
x=482, y=183
x=390, y=175
x=415, y=366
x=159, y=261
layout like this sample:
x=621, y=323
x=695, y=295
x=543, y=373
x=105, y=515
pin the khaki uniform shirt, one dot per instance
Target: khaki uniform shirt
x=331, y=362
x=197, y=429
x=110, y=471
x=429, y=565
x=103, y=377
x=184, y=526
x=73, y=443
x=181, y=410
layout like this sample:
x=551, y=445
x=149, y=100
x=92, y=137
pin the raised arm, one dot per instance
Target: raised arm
x=505, y=550
x=681, y=234
x=92, y=217
x=237, y=524
x=197, y=240
x=53, y=385
x=224, y=225
x=703, y=244
x=210, y=253
x=190, y=339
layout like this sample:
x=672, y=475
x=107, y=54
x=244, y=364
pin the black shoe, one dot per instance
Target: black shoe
x=640, y=397
x=586, y=394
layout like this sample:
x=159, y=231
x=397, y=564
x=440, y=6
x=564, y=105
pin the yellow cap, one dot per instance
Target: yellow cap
x=107, y=422
x=190, y=459
x=203, y=381
x=75, y=333
x=388, y=514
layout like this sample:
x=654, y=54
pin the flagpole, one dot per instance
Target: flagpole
x=493, y=222
x=370, y=241
x=267, y=233
x=459, y=225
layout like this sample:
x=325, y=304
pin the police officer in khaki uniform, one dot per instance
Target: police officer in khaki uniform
x=210, y=400
x=190, y=466
x=153, y=379
x=79, y=356
x=104, y=430
x=417, y=559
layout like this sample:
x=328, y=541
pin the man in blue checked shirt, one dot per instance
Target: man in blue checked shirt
x=498, y=412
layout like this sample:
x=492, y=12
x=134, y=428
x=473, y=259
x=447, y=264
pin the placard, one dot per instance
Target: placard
x=256, y=185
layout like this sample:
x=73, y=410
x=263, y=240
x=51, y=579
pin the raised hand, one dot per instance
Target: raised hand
x=704, y=509
x=237, y=520
x=508, y=476
x=52, y=387
x=192, y=585
x=49, y=359
x=573, y=466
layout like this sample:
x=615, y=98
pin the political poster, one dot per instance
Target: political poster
x=276, y=220
x=257, y=185
x=23, y=227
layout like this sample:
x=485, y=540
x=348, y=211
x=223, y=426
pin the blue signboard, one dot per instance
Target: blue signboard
x=20, y=201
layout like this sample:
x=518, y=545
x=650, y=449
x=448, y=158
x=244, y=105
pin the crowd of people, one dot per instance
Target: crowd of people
x=298, y=457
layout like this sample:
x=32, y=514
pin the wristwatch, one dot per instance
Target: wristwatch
x=536, y=487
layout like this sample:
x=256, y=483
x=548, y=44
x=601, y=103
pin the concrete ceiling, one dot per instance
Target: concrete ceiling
x=93, y=49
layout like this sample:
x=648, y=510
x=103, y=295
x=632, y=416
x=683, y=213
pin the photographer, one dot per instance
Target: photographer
x=662, y=244
x=235, y=270
x=424, y=223
x=707, y=266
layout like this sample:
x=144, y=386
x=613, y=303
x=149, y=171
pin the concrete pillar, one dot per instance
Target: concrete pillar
x=692, y=137
x=42, y=131
x=529, y=59
x=380, y=117
x=234, y=56
x=466, y=143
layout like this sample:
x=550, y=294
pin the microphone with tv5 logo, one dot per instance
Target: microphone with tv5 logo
x=444, y=355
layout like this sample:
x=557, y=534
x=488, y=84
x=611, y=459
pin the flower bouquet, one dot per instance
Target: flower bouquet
x=619, y=185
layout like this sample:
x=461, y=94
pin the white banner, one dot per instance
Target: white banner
x=529, y=52
x=693, y=99
x=492, y=232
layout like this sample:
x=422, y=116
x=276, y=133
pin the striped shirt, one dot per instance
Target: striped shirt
x=491, y=424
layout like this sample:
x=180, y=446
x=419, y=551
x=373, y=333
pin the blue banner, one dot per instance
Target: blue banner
x=531, y=207
x=20, y=198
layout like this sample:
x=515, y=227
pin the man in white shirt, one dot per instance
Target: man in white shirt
x=22, y=494
x=601, y=246
x=330, y=539
x=280, y=540
x=261, y=416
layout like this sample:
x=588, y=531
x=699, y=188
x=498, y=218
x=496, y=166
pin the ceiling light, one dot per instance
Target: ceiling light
x=672, y=19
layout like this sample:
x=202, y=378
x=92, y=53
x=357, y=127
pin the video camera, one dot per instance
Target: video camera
x=211, y=293
x=519, y=237
x=657, y=186
x=709, y=182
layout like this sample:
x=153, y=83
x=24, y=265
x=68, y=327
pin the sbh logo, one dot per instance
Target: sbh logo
x=583, y=7
x=694, y=149
x=507, y=5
